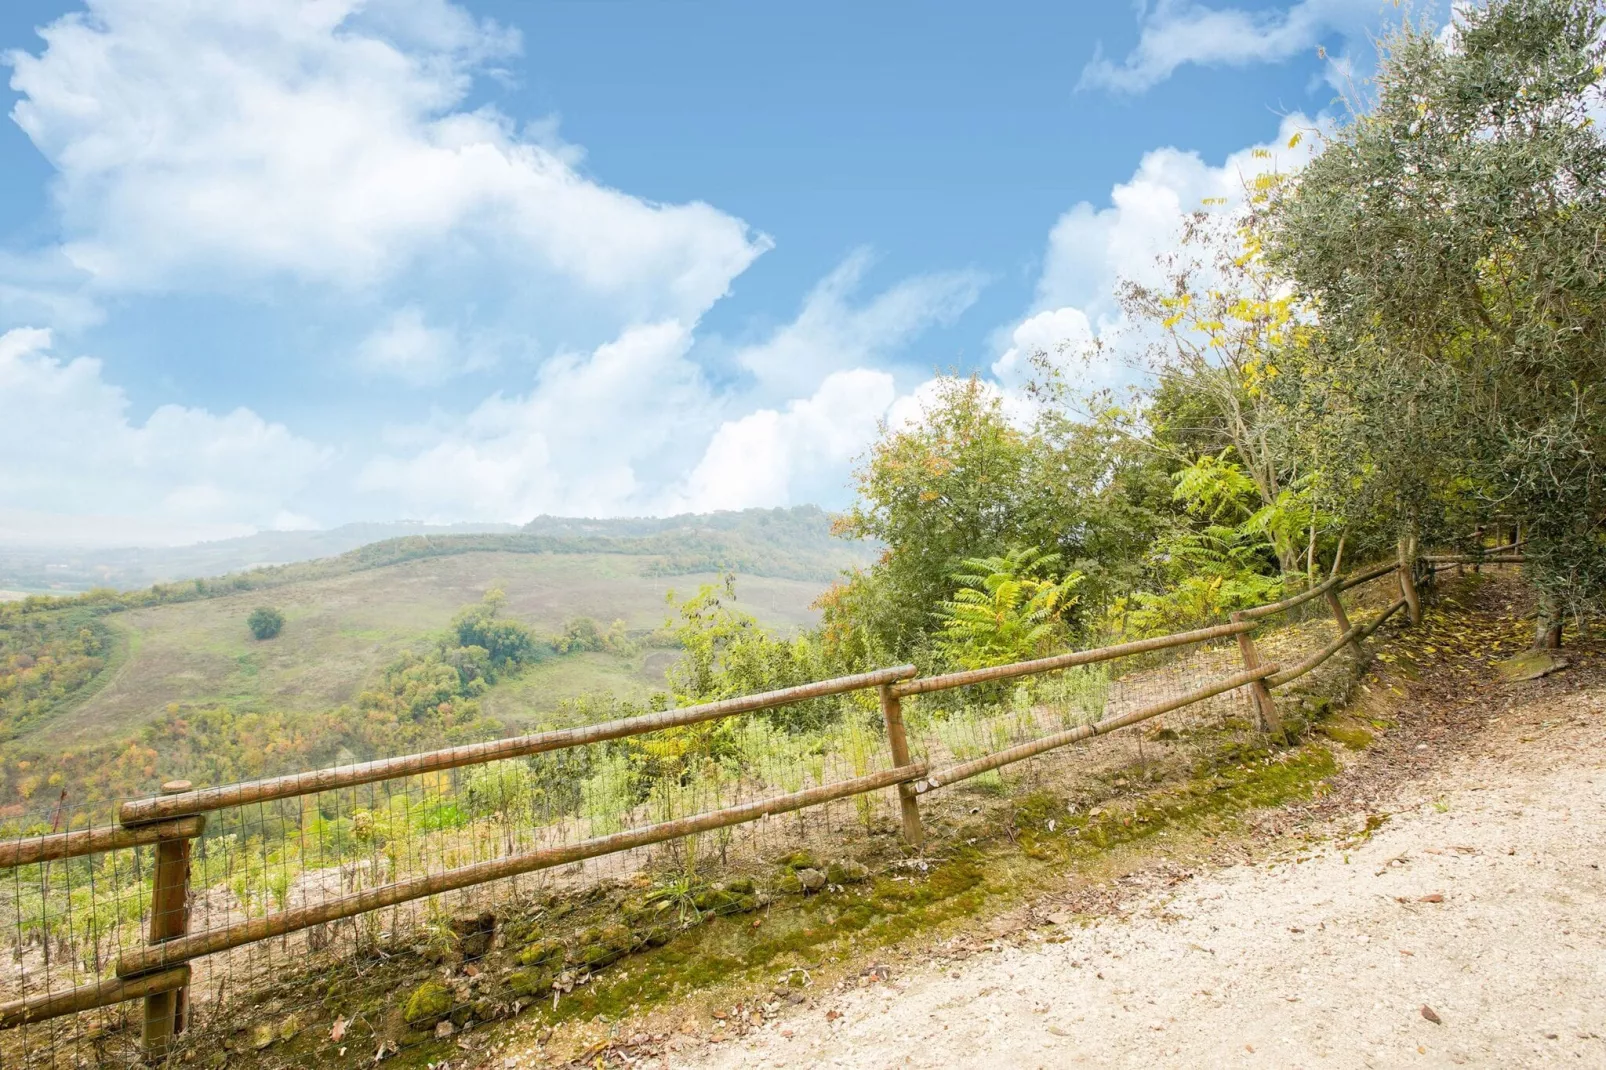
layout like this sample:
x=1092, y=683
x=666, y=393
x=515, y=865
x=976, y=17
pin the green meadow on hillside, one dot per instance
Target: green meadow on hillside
x=107, y=693
x=341, y=631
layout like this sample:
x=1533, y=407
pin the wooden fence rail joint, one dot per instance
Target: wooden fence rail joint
x=60, y=845
x=31, y=1009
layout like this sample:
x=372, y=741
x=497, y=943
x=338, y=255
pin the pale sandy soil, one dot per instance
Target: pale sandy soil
x=1324, y=957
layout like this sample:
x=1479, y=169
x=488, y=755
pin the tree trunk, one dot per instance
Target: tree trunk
x=1413, y=603
x=1547, y=628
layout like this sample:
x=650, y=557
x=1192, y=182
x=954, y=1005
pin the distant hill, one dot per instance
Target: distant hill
x=68, y=570
x=791, y=543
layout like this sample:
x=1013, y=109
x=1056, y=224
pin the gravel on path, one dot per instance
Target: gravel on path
x=1469, y=929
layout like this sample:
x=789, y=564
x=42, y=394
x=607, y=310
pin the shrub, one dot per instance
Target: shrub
x=265, y=622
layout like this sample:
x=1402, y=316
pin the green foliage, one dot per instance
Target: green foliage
x=965, y=482
x=1453, y=235
x=1006, y=609
x=506, y=643
x=46, y=660
x=265, y=622
x=579, y=634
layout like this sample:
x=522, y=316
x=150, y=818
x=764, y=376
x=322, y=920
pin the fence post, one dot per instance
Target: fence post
x=892, y=712
x=1342, y=620
x=1413, y=603
x=165, y=1012
x=1261, y=694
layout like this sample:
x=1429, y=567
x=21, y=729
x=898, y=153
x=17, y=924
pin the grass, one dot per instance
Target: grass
x=340, y=631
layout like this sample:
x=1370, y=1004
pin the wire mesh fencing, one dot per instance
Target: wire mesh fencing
x=323, y=916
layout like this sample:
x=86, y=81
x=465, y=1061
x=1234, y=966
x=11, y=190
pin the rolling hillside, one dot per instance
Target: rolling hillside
x=132, y=674
x=340, y=631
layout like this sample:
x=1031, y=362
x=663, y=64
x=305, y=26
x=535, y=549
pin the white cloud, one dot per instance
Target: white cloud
x=70, y=448
x=830, y=334
x=636, y=427
x=218, y=143
x=409, y=349
x=1092, y=249
x=1174, y=33
x=571, y=446
x=1059, y=334
x=777, y=457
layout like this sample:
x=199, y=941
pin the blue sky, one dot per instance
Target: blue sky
x=300, y=262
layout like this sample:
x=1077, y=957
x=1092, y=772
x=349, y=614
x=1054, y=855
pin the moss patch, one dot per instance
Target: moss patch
x=429, y=1003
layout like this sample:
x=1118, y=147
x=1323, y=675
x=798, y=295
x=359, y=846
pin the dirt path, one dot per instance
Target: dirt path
x=1323, y=958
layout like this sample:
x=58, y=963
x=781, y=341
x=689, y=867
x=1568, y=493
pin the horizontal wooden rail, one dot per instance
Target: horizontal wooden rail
x=1480, y=554
x=345, y=776
x=183, y=948
x=1355, y=634
x=1294, y=672
x=94, y=841
x=31, y=1009
x=1474, y=559
x=1368, y=576
x=1065, y=661
x=1293, y=600
x=975, y=766
x=1368, y=629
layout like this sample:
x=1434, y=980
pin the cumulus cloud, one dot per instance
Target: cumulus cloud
x=1174, y=33
x=218, y=143
x=406, y=347
x=831, y=333
x=1091, y=249
x=571, y=446
x=72, y=449
x=1059, y=334
x=801, y=452
x=635, y=426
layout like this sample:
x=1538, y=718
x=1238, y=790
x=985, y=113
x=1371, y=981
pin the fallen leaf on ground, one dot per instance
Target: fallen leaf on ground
x=1431, y=1015
x=1433, y=897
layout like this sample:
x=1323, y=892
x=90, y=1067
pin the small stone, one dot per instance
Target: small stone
x=1431, y=1015
x=597, y=948
x=429, y=1003
x=847, y=872
x=444, y=1029
x=790, y=884
x=811, y=879
x=798, y=860
x=540, y=953
x=263, y=1036
x=531, y=984
x=1531, y=665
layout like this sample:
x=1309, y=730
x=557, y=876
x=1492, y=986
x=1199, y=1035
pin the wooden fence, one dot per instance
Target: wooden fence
x=159, y=972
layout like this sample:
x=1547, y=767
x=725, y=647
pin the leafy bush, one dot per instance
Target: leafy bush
x=506, y=641
x=1008, y=608
x=265, y=622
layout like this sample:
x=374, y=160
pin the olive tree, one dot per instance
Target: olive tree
x=1453, y=236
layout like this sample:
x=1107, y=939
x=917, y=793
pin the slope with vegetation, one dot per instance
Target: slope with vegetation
x=104, y=694
x=1397, y=349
